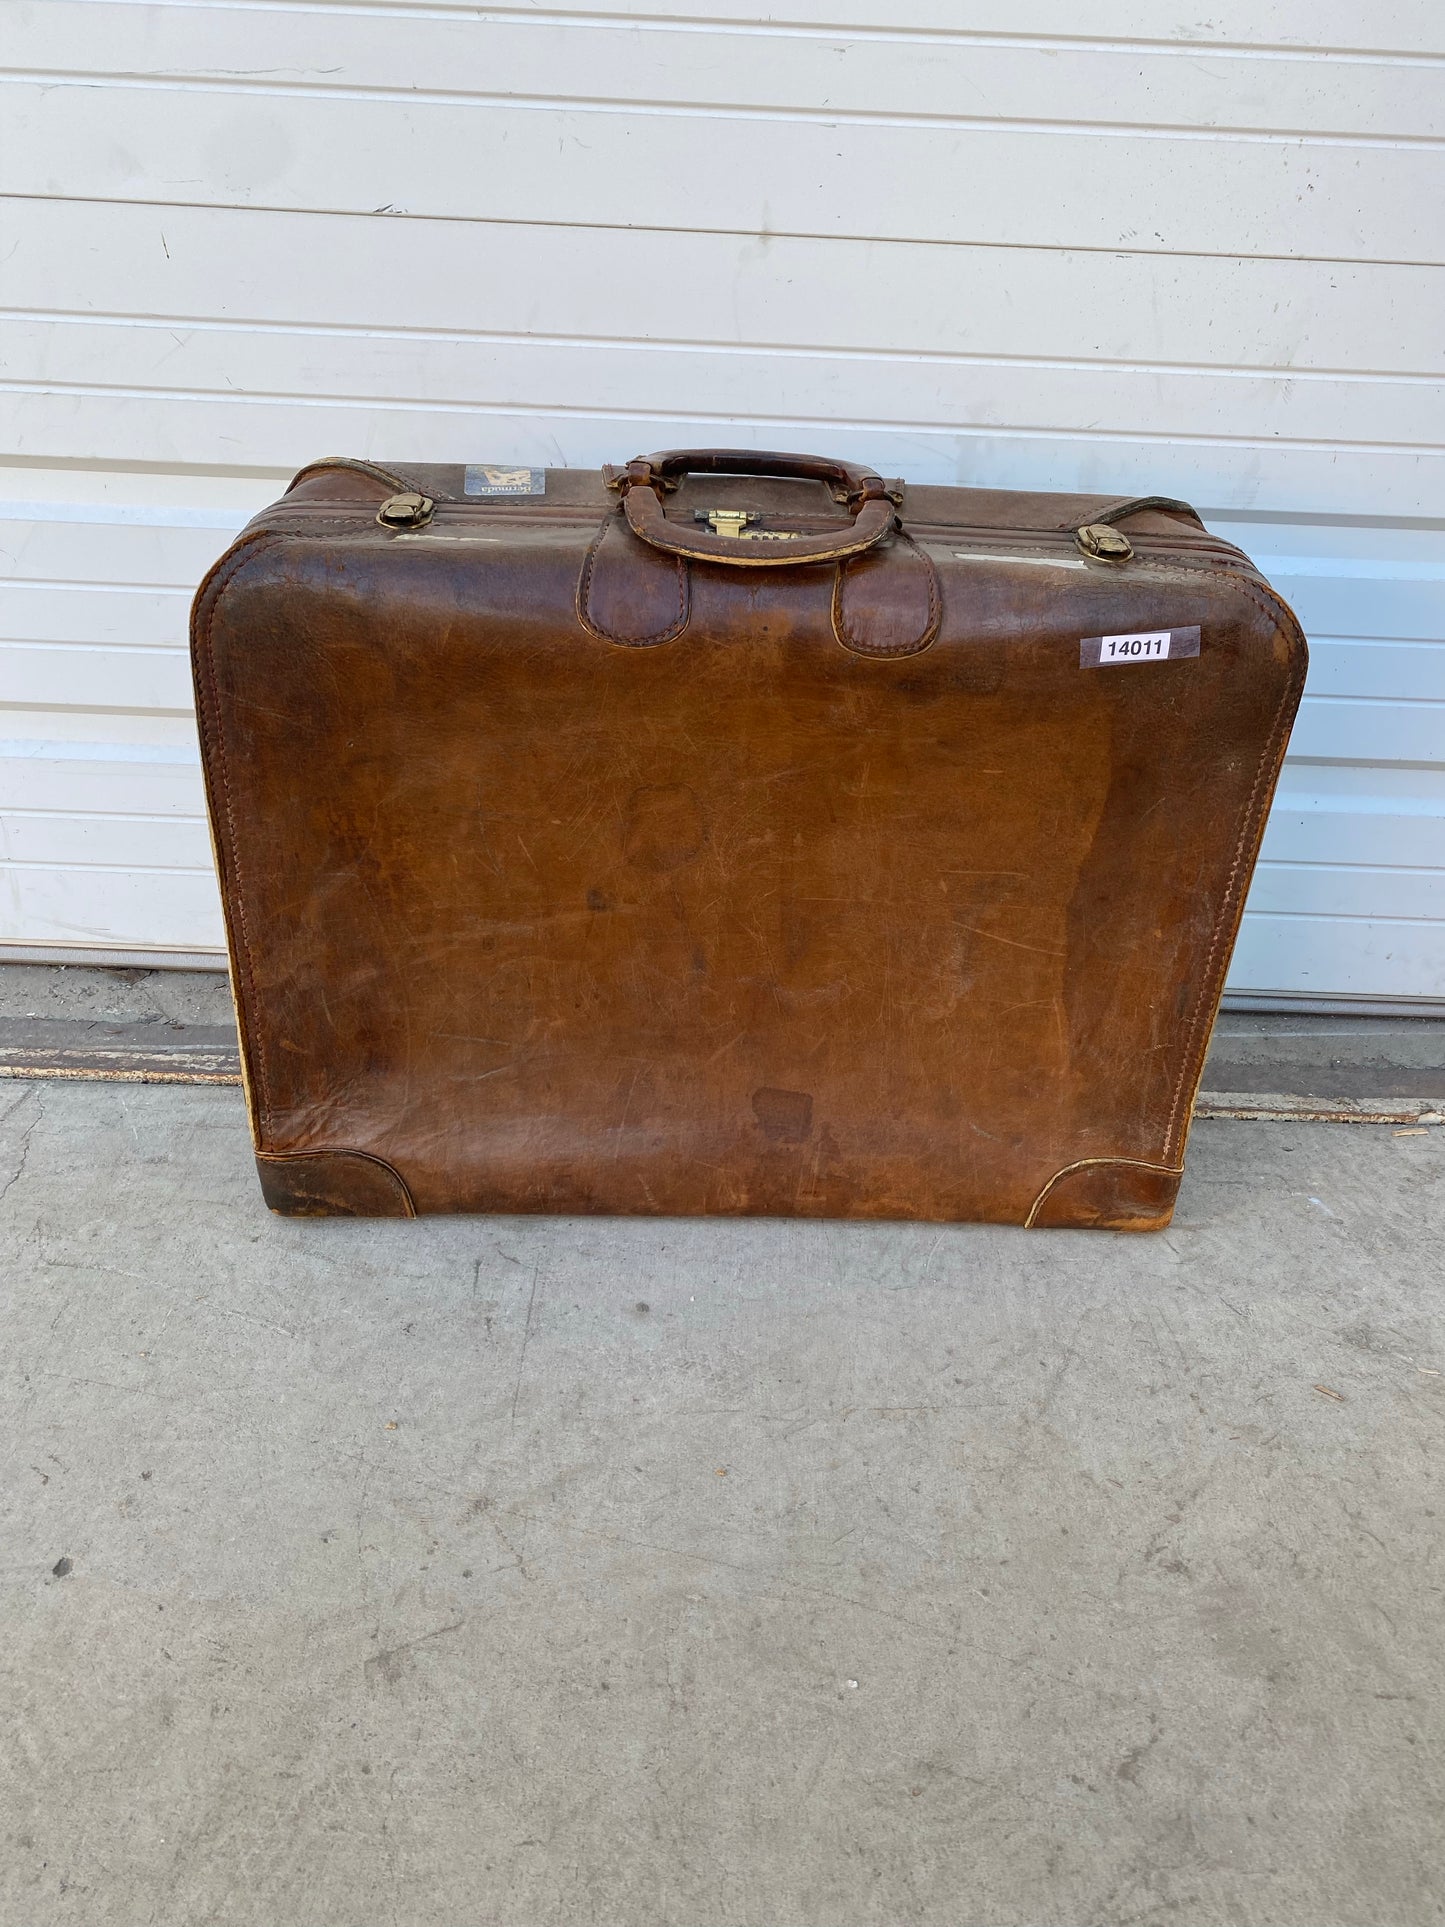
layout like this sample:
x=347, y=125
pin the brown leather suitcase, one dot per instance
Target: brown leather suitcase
x=731, y=833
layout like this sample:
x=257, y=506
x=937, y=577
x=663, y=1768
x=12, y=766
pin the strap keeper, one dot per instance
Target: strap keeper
x=620, y=480
x=875, y=489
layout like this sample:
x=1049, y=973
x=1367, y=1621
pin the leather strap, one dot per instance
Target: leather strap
x=1128, y=505
x=394, y=483
x=644, y=481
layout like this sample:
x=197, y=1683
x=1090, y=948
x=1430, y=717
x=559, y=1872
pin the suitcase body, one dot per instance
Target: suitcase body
x=680, y=839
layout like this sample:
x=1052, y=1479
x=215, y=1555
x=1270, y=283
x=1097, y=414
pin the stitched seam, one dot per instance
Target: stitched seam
x=339, y=1151
x=919, y=643
x=213, y=734
x=1251, y=831
x=1230, y=917
x=584, y=597
x=1083, y=1164
x=320, y=528
x=935, y=593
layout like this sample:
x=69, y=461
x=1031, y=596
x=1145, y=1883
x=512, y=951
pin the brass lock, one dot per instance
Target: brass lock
x=728, y=522
x=733, y=523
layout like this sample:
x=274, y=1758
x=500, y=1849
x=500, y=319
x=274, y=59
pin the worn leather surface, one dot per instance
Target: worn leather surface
x=564, y=873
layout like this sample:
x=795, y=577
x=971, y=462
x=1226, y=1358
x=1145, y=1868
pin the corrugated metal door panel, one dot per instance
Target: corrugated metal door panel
x=889, y=69
x=1226, y=196
x=393, y=280
x=966, y=242
x=1392, y=26
x=1349, y=898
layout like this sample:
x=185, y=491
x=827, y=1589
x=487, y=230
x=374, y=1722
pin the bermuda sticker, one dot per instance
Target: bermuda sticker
x=482, y=480
x=1145, y=645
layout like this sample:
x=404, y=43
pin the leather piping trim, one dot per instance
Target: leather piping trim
x=584, y=596
x=1082, y=1164
x=341, y=1151
x=221, y=818
x=844, y=635
x=1251, y=835
x=233, y=990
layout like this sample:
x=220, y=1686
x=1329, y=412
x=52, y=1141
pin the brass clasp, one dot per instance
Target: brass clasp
x=408, y=510
x=728, y=522
x=1097, y=538
x=733, y=523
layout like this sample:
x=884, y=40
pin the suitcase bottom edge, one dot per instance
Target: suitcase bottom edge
x=1102, y=1194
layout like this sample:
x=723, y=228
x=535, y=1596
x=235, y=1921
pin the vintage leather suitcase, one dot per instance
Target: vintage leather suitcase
x=731, y=832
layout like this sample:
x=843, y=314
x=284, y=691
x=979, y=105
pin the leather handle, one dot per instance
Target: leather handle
x=645, y=480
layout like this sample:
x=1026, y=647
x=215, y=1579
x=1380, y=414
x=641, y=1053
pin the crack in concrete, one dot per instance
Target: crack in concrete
x=19, y=1172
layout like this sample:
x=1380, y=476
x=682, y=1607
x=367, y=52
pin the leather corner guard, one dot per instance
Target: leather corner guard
x=1107, y=1194
x=332, y=1184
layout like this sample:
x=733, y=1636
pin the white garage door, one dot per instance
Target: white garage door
x=973, y=243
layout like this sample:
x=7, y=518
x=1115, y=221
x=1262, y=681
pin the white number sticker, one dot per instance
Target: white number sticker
x=1145, y=645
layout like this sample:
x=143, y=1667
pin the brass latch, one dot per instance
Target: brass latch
x=1097, y=538
x=406, y=511
x=733, y=523
x=728, y=522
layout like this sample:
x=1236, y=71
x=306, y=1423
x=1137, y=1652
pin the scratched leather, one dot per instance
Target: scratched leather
x=530, y=911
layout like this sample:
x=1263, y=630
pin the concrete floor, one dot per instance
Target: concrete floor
x=718, y=1574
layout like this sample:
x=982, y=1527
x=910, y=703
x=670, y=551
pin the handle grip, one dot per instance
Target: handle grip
x=644, y=481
